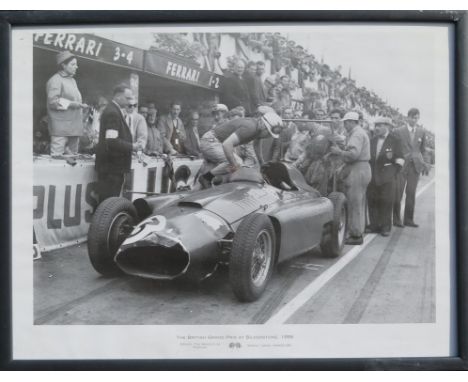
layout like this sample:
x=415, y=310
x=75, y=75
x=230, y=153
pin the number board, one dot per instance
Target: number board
x=93, y=47
x=180, y=70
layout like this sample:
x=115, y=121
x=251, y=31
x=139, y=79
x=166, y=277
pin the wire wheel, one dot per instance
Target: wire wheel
x=261, y=258
x=252, y=257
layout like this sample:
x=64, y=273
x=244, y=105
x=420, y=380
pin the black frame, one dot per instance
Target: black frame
x=459, y=161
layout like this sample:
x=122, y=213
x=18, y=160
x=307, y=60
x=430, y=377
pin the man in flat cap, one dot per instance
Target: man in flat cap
x=386, y=161
x=356, y=155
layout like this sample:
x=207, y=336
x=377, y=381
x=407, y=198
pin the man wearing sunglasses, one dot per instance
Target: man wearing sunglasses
x=114, y=150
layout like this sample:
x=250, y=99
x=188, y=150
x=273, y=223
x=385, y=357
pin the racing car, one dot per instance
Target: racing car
x=254, y=221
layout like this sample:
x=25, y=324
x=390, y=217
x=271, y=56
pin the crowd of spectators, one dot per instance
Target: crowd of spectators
x=296, y=80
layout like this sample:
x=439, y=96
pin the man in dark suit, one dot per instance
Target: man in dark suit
x=386, y=161
x=114, y=150
x=236, y=90
x=413, y=141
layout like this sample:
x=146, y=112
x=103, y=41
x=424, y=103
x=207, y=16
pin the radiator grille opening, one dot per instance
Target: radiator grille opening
x=154, y=261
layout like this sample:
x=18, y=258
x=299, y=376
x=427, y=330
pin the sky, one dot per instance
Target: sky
x=404, y=65
x=407, y=66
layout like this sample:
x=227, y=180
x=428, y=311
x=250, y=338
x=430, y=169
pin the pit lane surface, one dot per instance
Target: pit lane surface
x=368, y=284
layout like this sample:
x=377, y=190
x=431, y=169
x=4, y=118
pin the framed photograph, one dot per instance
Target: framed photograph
x=235, y=189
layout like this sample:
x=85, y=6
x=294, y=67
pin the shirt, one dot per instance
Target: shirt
x=124, y=113
x=192, y=142
x=358, y=146
x=411, y=132
x=298, y=144
x=246, y=129
x=380, y=143
x=155, y=142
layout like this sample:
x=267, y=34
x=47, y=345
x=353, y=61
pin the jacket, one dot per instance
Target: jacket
x=139, y=131
x=68, y=122
x=236, y=93
x=114, y=150
x=413, y=150
x=192, y=142
x=386, y=165
x=166, y=127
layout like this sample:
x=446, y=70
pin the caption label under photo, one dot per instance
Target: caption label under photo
x=235, y=341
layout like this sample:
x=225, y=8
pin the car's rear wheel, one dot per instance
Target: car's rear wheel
x=112, y=222
x=252, y=257
x=335, y=232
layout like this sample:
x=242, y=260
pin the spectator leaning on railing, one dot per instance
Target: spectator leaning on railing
x=137, y=125
x=192, y=142
x=172, y=129
x=155, y=142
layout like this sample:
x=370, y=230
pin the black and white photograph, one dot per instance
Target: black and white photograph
x=236, y=191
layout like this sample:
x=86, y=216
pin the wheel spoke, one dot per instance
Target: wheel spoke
x=261, y=258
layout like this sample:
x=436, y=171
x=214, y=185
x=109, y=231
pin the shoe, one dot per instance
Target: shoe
x=205, y=183
x=370, y=229
x=353, y=240
x=411, y=224
x=398, y=224
x=385, y=233
x=71, y=161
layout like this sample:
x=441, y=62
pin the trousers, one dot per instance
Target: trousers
x=355, y=187
x=380, y=203
x=213, y=153
x=63, y=145
x=406, y=181
x=109, y=184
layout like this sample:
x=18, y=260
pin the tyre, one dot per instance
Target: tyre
x=112, y=222
x=252, y=257
x=335, y=231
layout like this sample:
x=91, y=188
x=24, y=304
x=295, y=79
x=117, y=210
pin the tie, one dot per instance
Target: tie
x=380, y=143
x=129, y=121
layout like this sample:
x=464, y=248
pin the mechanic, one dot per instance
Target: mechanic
x=231, y=134
x=356, y=175
x=315, y=163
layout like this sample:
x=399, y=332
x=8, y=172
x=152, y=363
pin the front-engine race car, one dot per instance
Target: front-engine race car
x=251, y=223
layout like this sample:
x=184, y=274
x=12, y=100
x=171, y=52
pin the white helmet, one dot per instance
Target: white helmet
x=263, y=109
x=272, y=120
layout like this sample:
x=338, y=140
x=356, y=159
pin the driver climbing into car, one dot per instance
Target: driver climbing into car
x=231, y=134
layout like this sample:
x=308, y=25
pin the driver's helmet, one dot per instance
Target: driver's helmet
x=272, y=120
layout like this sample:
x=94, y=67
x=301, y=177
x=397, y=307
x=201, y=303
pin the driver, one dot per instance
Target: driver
x=231, y=134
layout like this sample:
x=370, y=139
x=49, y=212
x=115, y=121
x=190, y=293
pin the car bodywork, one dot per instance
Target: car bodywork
x=190, y=233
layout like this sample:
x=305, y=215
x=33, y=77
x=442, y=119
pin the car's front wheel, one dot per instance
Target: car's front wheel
x=252, y=257
x=111, y=224
x=335, y=232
